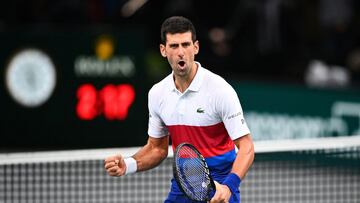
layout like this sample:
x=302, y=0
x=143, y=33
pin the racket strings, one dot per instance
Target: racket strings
x=192, y=178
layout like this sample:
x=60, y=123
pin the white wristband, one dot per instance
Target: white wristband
x=131, y=165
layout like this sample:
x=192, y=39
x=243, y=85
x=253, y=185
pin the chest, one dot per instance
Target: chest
x=191, y=108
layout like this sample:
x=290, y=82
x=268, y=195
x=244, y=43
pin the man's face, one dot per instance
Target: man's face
x=180, y=51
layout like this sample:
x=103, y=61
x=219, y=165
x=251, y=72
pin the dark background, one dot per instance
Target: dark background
x=275, y=38
x=245, y=40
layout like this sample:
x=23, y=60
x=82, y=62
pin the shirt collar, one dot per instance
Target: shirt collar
x=195, y=83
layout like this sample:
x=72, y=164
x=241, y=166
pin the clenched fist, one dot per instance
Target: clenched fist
x=115, y=165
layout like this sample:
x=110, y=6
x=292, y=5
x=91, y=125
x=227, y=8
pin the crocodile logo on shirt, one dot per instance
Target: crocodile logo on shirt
x=200, y=110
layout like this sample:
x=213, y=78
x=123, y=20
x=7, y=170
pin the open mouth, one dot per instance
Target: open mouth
x=181, y=64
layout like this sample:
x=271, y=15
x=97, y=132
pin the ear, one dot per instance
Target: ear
x=162, y=50
x=196, y=46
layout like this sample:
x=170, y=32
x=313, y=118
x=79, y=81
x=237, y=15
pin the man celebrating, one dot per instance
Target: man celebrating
x=196, y=106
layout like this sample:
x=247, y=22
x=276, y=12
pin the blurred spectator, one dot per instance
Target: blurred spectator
x=259, y=39
x=251, y=39
x=353, y=61
x=321, y=75
x=339, y=28
x=334, y=18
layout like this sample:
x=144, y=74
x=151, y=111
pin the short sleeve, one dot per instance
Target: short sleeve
x=156, y=127
x=230, y=110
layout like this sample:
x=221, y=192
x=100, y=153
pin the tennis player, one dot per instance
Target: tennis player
x=196, y=106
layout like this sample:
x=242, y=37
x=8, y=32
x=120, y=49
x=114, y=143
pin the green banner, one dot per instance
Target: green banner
x=277, y=111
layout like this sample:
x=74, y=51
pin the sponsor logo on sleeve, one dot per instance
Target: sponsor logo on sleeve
x=234, y=115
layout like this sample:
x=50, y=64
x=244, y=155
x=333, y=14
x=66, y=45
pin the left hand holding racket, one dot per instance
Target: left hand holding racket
x=193, y=176
x=192, y=173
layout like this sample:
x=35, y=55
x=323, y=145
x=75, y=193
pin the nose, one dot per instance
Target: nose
x=181, y=52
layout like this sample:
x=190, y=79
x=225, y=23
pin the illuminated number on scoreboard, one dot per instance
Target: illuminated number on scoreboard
x=86, y=107
x=113, y=101
x=116, y=101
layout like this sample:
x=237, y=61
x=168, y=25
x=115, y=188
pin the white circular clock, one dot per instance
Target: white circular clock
x=30, y=77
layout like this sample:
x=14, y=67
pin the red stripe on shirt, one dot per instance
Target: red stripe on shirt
x=210, y=140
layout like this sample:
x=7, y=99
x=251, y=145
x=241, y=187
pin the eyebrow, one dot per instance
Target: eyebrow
x=177, y=44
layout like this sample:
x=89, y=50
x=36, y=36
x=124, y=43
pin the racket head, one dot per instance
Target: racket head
x=192, y=173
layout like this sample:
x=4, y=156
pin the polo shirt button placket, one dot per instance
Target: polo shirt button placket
x=181, y=106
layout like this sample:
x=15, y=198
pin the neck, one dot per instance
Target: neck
x=182, y=83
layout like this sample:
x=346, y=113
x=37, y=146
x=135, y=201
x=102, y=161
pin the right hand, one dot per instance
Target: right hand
x=222, y=194
x=115, y=165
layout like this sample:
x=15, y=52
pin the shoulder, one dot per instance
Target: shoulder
x=217, y=84
x=158, y=89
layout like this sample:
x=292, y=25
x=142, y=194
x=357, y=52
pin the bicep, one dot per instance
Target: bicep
x=155, y=147
x=161, y=143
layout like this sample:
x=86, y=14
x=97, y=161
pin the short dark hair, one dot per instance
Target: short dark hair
x=177, y=24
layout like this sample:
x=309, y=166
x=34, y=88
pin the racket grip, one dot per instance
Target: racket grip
x=233, y=182
x=211, y=194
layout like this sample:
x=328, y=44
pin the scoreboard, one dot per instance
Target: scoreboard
x=64, y=89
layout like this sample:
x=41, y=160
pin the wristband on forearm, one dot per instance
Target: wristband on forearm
x=233, y=182
x=131, y=165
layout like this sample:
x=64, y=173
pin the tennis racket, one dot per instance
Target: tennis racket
x=192, y=173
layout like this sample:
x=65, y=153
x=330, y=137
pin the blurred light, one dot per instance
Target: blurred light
x=219, y=44
x=217, y=35
x=113, y=101
x=320, y=74
x=116, y=101
x=104, y=47
x=31, y=77
x=86, y=108
x=131, y=7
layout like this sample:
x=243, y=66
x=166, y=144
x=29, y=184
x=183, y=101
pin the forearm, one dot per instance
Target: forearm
x=152, y=154
x=245, y=156
x=242, y=163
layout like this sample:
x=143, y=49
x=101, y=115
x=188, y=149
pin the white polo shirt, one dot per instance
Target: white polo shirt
x=208, y=114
